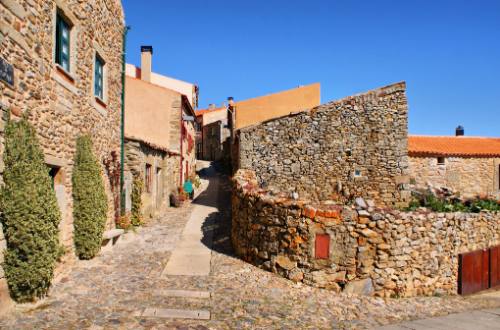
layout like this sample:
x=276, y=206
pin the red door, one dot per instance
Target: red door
x=495, y=266
x=473, y=272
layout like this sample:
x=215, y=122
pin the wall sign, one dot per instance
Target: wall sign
x=6, y=72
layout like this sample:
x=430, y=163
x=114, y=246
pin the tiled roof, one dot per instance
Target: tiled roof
x=204, y=111
x=460, y=146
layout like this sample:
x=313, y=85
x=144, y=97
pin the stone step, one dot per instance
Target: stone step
x=176, y=313
x=185, y=294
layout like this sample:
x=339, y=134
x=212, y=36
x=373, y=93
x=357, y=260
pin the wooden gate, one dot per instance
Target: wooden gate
x=495, y=266
x=478, y=270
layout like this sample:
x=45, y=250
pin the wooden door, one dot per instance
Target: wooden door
x=473, y=272
x=494, y=266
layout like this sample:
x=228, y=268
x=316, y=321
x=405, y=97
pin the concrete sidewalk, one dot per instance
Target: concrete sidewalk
x=475, y=320
x=193, y=253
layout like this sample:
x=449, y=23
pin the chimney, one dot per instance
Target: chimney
x=230, y=100
x=146, y=62
x=459, y=131
x=211, y=106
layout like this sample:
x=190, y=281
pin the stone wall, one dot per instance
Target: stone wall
x=61, y=105
x=368, y=250
x=353, y=147
x=137, y=155
x=470, y=177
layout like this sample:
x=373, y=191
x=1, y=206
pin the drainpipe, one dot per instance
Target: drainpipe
x=181, y=168
x=122, y=127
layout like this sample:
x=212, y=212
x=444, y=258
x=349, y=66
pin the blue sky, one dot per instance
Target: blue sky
x=448, y=51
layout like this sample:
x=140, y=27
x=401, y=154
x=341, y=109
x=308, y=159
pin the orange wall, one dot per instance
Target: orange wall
x=254, y=111
x=147, y=111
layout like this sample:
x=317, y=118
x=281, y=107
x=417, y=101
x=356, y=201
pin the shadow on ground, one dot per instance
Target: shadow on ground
x=218, y=224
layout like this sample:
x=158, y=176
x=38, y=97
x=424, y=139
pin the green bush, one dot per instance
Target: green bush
x=440, y=204
x=30, y=215
x=136, y=200
x=90, y=204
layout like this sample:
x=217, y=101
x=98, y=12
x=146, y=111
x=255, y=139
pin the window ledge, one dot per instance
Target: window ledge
x=101, y=102
x=64, y=79
x=68, y=76
x=99, y=105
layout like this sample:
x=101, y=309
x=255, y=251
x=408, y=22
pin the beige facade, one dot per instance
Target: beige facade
x=213, y=140
x=60, y=98
x=468, y=176
x=148, y=111
x=160, y=136
x=256, y=110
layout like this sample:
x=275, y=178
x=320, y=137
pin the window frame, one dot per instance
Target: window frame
x=148, y=178
x=99, y=63
x=439, y=162
x=63, y=24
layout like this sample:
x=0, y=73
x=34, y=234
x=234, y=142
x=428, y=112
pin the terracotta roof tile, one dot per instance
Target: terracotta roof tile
x=460, y=146
x=201, y=112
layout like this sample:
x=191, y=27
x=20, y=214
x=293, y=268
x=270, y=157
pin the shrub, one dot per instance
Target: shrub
x=30, y=215
x=124, y=222
x=136, y=200
x=90, y=201
x=435, y=203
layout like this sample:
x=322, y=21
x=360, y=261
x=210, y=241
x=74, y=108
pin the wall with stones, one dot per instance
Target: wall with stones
x=468, y=176
x=369, y=250
x=61, y=105
x=353, y=147
x=137, y=155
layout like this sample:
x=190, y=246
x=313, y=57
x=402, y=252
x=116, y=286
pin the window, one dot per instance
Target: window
x=441, y=161
x=149, y=178
x=357, y=173
x=63, y=29
x=99, y=77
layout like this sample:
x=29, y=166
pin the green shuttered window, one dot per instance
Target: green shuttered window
x=63, y=30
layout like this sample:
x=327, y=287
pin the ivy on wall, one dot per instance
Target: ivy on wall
x=29, y=214
x=90, y=201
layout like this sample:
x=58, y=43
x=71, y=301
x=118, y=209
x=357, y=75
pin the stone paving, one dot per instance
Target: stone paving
x=125, y=289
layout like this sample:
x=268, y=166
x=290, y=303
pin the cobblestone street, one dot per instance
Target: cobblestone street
x=127, y=289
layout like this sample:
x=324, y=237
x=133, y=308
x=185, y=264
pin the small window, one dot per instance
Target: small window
x=149, y=178
x=441, y=161
x=357, y=173
x=99, y=77
x=63, y=31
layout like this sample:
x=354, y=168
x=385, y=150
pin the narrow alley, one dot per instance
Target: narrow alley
x=149, y=281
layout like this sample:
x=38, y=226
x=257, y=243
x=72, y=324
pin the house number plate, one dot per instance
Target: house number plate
x=6, y=72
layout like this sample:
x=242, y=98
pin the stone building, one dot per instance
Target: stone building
x=61, y=64
x=159, y=135
x=469, y=166
x=214, y=133
x=354, y=147
x=319, y=195
x=217, y=125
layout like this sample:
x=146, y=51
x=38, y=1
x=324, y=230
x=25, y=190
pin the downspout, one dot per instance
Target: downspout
x=122, y=127
x=181, y=168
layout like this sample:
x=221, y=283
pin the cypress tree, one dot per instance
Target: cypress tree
x=90, y=205
x=29, y=214
x=136, y=199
